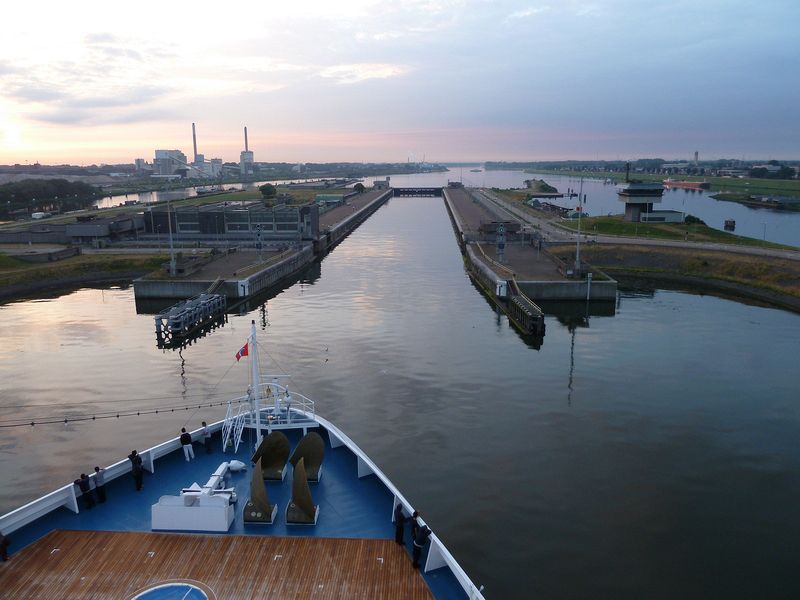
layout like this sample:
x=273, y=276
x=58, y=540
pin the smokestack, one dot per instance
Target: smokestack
x=194, y=142
x=245, y=139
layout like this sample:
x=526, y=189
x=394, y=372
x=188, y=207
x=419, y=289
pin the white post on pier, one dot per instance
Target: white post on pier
x=578, y=244
x=255, y=381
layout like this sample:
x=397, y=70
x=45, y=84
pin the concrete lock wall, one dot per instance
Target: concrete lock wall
x=154, y=288
x=568, y=290
x=272, y=275
x=49, y=256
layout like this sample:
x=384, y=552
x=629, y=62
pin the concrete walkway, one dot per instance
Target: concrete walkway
x=555, y=233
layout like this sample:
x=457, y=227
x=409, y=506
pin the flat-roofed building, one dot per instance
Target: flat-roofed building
x=239, y=219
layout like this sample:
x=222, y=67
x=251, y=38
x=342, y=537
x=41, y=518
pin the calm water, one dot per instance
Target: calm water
x=772, y=225
x=775, y=226
x=649, y=454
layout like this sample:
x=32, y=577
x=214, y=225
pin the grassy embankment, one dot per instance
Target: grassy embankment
x=24, y=276
x=693, y=232
x=78, y=269
x=299, y=196
x=775, y=281
x=616, y=226
x=732, y=187
x=540, y=186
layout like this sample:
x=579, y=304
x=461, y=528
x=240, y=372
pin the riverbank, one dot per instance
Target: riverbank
x=693, y=232
x=775, y=282
x=758, y=201
x=19, y=279
x=751, y=185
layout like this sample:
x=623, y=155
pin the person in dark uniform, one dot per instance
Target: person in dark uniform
x=186, y=442
x=419, y=543
x=136, y=469
x=86, y=490
x=414, y=525
x=4, y=544
x=100, y=484
x=399, y=523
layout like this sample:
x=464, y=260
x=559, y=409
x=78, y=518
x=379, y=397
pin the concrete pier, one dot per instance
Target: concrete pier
x=523, y=273
x=247, y=271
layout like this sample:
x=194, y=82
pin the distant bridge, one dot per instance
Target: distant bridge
x=417, y=191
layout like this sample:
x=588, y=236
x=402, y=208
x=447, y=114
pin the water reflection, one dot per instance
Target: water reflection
x=674, y=444
x=179, y=342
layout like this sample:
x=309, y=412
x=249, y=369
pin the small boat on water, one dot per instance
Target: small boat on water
x=687, y=185
x=289, y=502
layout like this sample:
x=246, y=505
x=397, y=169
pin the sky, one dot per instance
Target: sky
x=376, y=81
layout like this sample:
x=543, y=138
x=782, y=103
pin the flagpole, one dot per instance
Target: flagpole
x=255, y=378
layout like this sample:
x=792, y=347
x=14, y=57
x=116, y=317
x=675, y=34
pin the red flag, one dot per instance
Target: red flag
x=242, y=352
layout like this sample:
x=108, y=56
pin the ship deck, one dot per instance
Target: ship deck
x=102, y=564
x=349, y=508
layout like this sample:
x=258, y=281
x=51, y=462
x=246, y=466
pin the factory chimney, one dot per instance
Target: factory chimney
x=245, y=139
x=194, y=143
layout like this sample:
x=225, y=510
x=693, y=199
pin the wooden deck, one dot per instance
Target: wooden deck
x=104, y=564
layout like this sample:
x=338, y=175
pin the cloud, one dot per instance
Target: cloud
x=7, y=68
x=99, y=38
x=32, y=92
x=105, y=83
x=527, y=12
x=358, y=72
x=89, y=117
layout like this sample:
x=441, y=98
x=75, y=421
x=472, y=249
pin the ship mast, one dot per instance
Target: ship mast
x=255, y=381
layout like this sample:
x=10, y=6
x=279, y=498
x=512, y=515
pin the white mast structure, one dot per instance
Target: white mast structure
x=578, y=243
x=255, y=382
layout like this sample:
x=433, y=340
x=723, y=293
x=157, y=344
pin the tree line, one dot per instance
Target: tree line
x=21, y=198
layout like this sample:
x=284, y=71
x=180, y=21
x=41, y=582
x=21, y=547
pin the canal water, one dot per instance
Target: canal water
x=652, y=453
x=777, y=226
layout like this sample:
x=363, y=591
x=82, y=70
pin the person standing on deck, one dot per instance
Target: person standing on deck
x=414, y=525
x=4, y=544
x=136, y=469
x=100, y=484
x=86, y=490
x=419, y=544
x=399, y=523
x=207, y=438
x=186, y=442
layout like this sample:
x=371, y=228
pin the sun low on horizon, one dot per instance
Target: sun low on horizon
x=380, y=82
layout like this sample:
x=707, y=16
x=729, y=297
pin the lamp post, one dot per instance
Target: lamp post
x=578, y=244
x=171, y=249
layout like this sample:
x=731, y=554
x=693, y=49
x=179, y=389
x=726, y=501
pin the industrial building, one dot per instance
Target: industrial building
x=168, y=162
x=237, y=220
x=173, y=163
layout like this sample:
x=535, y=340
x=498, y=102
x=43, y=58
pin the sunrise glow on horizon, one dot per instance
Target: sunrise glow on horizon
x=376, y=82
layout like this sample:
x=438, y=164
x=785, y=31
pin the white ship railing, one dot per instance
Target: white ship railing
x=438, y=555
x=281, y=398
x=67, y=496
